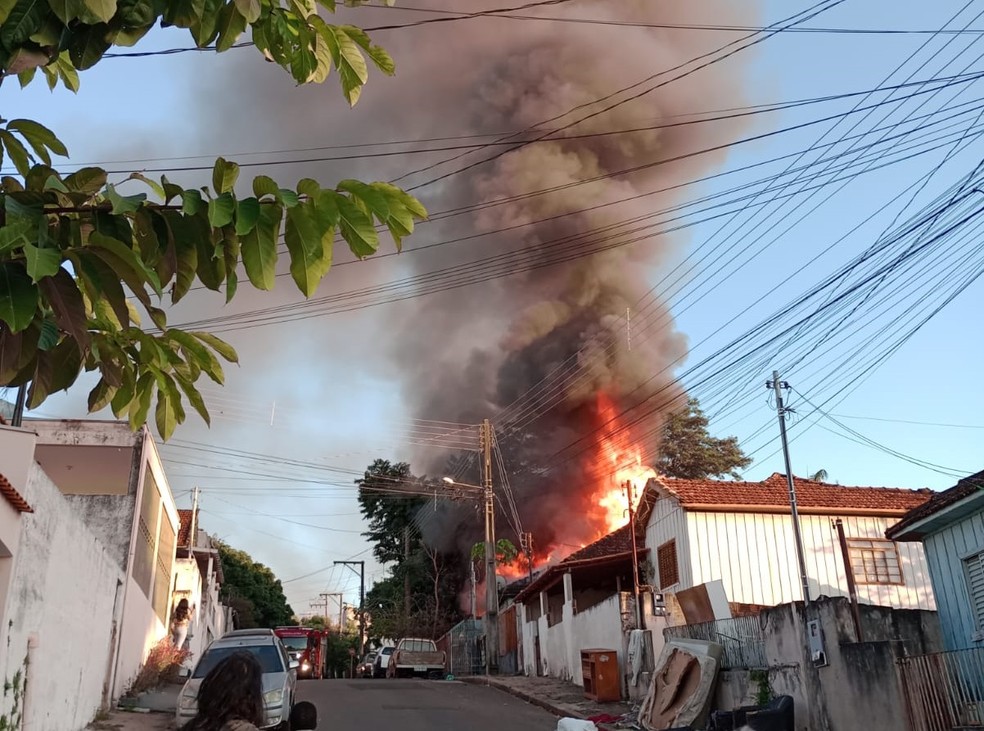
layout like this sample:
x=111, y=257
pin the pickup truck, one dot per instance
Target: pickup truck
x=414, y=656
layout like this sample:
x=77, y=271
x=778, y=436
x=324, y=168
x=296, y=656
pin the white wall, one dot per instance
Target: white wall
x=669, y=522
x=754, y=554
x=140, y=630
x=599, y=627
x=63, y=591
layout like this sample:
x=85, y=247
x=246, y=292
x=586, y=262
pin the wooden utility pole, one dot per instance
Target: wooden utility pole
x=362, y=599
x=491, y=587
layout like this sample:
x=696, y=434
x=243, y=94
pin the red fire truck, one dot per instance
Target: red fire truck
x=308, y=646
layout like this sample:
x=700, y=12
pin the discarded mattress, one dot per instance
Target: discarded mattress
x=682, y=687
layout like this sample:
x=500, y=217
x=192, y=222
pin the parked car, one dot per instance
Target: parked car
x=365, y=667
x=381, y=663
x=415, y=656
x=279, y=676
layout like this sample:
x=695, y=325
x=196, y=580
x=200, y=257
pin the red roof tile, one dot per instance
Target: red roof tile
x=620, y=541
x=773, y=493
x=184, y=529
x=14, y=497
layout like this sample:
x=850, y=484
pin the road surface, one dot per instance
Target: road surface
x=419, y=705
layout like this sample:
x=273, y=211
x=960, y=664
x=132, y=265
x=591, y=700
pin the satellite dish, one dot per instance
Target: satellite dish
x=500, y=582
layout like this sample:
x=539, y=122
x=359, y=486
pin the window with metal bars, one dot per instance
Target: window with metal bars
x=666, y=562
x=875, y=561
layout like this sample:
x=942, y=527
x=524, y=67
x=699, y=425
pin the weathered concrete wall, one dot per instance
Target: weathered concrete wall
x=16, y=458
x=598, y=628
x=64, y=596
x=858, y=686
x=140, y=630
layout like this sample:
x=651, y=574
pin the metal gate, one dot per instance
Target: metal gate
x=944, y=690
x=466, y=648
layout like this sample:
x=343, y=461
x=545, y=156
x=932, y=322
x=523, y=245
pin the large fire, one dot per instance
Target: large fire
x=604, y=500
x=618, y=463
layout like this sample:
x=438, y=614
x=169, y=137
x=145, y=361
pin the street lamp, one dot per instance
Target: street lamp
x=491, y=588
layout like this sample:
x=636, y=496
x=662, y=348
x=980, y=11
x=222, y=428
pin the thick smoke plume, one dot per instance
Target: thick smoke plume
x=469, y=353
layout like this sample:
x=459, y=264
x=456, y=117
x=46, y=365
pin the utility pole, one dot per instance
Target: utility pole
x=491, y=587
x=362, y=599
x=777, y=385
x=194, y=519
x=473, y=597
x=635, y=558
x=526, y=544
x=325, y=597
x=406, y=575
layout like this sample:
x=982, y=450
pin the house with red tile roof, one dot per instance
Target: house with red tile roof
x=584, y=601
x=741, y=534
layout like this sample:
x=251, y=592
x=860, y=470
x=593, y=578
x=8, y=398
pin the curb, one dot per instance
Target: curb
x=556, y=710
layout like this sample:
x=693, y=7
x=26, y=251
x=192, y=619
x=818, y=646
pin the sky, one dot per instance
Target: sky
x=314, y=401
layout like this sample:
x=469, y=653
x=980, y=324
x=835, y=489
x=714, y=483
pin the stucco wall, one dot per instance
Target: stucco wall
x=598, y=628
x=64, y=593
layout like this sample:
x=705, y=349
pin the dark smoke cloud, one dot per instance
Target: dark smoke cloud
x=469, y=353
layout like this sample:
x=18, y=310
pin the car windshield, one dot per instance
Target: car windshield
x=295, y=643
x=387, y=651
x=419, y=646
x=268, y=655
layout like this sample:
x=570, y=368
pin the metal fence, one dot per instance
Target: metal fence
x=466, y=648
x=741, y=638
x=944, y=690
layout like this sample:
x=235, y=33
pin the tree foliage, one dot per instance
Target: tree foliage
x=389, y=513
x=253, y=591
x=688, y=450
x=79, y=255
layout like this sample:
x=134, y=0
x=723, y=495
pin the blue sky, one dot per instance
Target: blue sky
x=319, y=394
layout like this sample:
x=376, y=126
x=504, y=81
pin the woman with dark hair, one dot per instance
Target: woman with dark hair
x=230, y=697
x=180, y=620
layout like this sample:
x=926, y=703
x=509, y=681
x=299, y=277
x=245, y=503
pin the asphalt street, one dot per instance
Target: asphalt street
x=419, y=705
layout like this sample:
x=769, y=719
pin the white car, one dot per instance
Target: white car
x=279, y=675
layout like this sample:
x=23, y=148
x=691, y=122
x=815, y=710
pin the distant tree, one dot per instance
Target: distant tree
x=390, y=514
x=505, y=552
x=688, y=450
x=253, y=591
x=315, y=622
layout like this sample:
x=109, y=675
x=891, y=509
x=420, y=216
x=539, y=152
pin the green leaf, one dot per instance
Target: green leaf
x=101, y=284
x=169, y=412
x=62, y=294
x=259, y=247
x=65, y=362
x=351, y=65
x=356, y=227
x=247, y=214
x=38, y=136
x=67, y=71
x=128, y=256
x=123, y=203
x=26, y=77
x=221, y=210
x=191, y=202
x=86, y=180
x=140, y=406
x=231, y=25
x=198, y=354
x=124, y=396
x=152, y=184
x=217, y=344
x=384, y=62
x=183, y=13
x=16, y=234
x=18, y=296
x=104, y=10
x=86, y=47
x=187, y=260
x=49, y=336
x=194, y=398
x=250, y=9
x=263, y=185
x=22, y=22
x=322, y=56
x=5, y=7
x=41, y=262
x=101, y=396
x=206, y=28
x=303, y=240
x=17, y=153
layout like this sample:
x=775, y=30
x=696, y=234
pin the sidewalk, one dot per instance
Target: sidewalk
x=152, y=711
x=560, y=698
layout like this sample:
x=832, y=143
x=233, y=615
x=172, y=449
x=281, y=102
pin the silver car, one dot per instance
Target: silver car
x=279, y=675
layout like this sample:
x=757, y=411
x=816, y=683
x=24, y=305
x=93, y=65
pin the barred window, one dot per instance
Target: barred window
x=666, y=560
x=875, y=561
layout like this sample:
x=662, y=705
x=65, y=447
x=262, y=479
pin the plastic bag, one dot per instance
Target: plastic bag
x=575, y=724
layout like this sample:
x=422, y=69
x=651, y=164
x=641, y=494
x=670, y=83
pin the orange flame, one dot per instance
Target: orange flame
x=620, y=463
